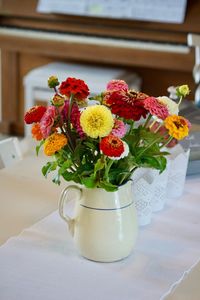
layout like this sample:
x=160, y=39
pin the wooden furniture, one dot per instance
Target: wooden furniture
x=29, y=39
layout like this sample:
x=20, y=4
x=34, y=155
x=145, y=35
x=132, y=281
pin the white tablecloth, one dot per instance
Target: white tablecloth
x=42, y=263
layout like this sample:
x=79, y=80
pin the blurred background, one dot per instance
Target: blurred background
x=143, y=42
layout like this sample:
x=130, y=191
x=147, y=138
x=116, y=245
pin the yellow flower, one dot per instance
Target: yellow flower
x=183, y=90
x=96, y=121
x=58, y=100
x=177, y=126
x=54, y=143
x=53, y=81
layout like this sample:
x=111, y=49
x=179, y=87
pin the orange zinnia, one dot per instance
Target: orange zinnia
x=178, y=127
x=54, y=143
x=36, y=132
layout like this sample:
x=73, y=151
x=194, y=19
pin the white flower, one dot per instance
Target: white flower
x=172, y=92
x=171, y=105
x=124, y=154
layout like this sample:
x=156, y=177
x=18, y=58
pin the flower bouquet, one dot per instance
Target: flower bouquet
x=98, y=147
x=101, y=145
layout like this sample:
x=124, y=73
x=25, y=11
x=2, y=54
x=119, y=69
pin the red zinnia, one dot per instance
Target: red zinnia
x=34, y=114
x=74, y=86
x=112, y=146
x=128, y=105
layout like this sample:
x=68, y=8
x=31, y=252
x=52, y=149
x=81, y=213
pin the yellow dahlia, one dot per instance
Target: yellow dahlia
x=177, y=126
x=96, y=121
x=54, y=143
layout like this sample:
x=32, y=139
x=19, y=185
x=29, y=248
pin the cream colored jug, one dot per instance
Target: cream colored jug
x=105, y=223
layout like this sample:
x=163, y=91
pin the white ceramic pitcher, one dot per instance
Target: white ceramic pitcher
x=105, y=223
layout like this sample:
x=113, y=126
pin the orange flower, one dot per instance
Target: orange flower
x=36, y=132
x=177, y=126
x=54, y=143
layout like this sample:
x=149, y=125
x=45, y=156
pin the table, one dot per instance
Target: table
x=42, y=263
x=26, y=196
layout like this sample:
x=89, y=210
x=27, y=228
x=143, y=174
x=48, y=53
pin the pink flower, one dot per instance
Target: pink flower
x=188, y=123
x=47, y=121
x=117, y=85
x=156, y=108
x=119, y=128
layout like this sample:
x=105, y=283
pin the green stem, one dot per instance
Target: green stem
x=55, y=90
x=149, y=146
x=167, y=142
x=131, y=127
x=147, y=120
x=159, y=126
x=69, y=112
x=151, y=125
x=108, y=169
x=180, y=100
x=68, y=129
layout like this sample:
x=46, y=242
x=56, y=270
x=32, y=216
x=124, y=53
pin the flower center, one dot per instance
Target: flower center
x=178, y=124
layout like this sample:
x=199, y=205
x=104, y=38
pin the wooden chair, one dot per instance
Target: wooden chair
x=10, y=152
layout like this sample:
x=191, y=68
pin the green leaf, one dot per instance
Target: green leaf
x=50, y=166
x=90, y=145
x=39, y=146
x=56, y=179
x=109, y=187
x=89, y=182
x=68, y=176
x=78, y=152
x=158, y=162
x=99, y=165
x=67, y=164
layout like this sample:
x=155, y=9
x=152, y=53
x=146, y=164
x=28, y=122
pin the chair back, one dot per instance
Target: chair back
x=10, y=152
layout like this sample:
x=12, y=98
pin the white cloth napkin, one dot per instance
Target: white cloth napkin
x=42, y=262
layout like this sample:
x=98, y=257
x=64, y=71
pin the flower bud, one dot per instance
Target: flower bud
x=183, y=90
x=53, y=81
x=58, y=100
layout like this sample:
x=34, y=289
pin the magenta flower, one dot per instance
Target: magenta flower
x=156, y=108
x=47, y=121
x=74, y=117
x=119, y=128
x=117, y=85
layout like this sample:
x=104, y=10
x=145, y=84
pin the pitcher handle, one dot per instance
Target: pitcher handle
x=64, y=198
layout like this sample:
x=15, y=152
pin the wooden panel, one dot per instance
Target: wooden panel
x=12, y=15
x=100, y=53
x=10, y=108
x=129, y=33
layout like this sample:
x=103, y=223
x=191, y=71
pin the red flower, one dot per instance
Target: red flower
x=34, y=114
x=112, y=146
x=128, y=105
x=74, y=86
